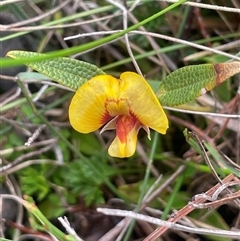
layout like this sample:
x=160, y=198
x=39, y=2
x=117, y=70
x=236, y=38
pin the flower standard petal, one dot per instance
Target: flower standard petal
x=142, y=101
x=87, y=110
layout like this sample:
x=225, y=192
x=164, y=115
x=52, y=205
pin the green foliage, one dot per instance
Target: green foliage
x=51, y=206
x=27, y=111
x=34, y=183
x=87, y=143
x=14, y=140
x=77, y=178
x=82, y=181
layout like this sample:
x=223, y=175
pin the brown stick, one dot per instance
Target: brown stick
x=186, y=210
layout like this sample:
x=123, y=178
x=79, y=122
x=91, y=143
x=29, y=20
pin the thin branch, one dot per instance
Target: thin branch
x=207, y=6
x=2, y=3
x=60, y=26
x=186, y=210
x=230, y=197
x=172, y=39
x=11, y=98
x=26, y=164
x=125, y=22
x=65, y=223
x=23, y=148
x=203, y=113
x=123, y=213
x=225, y=47
x=35, y=135
x=217, y=192
x=38, y=18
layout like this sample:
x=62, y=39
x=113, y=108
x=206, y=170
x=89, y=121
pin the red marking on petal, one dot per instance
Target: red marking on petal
x=105, y=118
x=124, y=125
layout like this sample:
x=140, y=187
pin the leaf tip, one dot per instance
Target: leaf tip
x=226, y=70
x=10, y=53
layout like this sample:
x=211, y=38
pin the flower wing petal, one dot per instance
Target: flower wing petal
x=143, y=102
x=87, y=110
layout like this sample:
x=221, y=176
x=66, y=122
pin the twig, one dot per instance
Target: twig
x=30, y=232
x=9, y=2
x=125, y=20
x=123, y=213
x=38, y=18
x=20, y=166
x=59, y=26
x=11, y=98
x=172, y=39
x=216, y=193
x=35, y=135
x=65, y=223
x=193, y=112
x=53, y=231
x=185, y=210
x=157, y=192
x=40, y=92
x=227, y=46
x=214, y=204
x=207, y=6
x=213, y=198
x=22, y=148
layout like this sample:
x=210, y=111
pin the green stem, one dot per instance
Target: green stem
x=173, y=196
x=144, y=186
x=45, y=224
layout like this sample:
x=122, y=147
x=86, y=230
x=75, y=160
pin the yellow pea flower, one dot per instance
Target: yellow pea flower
x=126, y=105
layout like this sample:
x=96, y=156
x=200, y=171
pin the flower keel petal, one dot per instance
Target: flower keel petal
x=124, y=149
x=124, y=145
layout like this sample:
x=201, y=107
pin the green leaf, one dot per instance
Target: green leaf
x=190, y=82
x=71, y=73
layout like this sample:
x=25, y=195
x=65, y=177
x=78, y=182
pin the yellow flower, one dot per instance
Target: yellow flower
x=126, y=105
